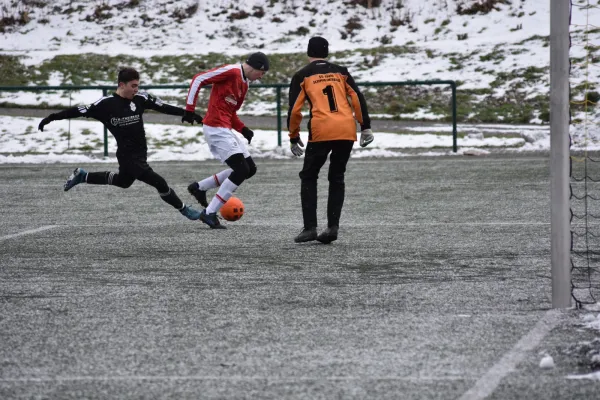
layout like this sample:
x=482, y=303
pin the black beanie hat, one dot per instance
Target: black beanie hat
x=258, y=61
x=318, y=47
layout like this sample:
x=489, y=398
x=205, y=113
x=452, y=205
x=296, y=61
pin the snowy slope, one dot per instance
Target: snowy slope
x=166, y=27
x=473, y=49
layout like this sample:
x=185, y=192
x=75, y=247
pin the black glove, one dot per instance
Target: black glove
x=188, y=116
x=45, y=122
x=247, y=133
x=197, y=118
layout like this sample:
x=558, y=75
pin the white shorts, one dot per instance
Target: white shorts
x=223, y=142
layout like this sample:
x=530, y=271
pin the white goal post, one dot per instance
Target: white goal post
x=560, y=11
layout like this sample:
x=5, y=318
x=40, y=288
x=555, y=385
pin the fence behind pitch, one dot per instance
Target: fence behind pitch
x=384, y=98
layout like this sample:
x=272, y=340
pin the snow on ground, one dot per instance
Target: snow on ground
x=74, y=140
x=151, y=29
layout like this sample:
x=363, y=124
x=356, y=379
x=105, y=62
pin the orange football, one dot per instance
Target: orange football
x=233, y=209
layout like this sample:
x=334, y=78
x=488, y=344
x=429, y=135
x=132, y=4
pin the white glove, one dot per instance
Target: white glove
x=366, y=137
x=296, y=148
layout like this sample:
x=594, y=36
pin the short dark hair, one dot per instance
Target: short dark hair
x=128, y=75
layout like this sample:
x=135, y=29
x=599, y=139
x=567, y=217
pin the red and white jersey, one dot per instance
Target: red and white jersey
x=229, y=88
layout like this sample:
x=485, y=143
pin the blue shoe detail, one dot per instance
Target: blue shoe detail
x=211, y=220
x=76, y=178
x=190, y=213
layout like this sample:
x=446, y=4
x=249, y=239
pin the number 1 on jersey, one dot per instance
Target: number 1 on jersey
x=328, y=91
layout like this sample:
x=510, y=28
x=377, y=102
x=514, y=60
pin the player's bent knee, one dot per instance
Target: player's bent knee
x=251, y=167
x=308, y=176
x=238, y=176
x=240, y=168
x=251, y=171
x=122, y=183
x=336, y=178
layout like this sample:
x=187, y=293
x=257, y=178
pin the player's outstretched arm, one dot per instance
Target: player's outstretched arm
x=157, y=104
x=191, y=117
x=45, y=122
x=69, y=113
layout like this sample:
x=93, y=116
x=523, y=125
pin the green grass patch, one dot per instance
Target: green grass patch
x=85, y=148
x=480, y=105
x=496, y=55
x=544, y=39
x=192, y=140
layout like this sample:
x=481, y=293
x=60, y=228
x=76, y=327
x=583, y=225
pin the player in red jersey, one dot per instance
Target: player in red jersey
x=229, y=87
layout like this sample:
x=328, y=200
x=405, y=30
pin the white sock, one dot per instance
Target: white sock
x=223, y=194
x=215, y=180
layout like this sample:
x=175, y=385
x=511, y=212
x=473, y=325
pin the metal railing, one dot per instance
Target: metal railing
x=278, y=87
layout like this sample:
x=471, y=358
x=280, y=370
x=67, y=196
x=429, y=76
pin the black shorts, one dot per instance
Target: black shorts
x=134, y=165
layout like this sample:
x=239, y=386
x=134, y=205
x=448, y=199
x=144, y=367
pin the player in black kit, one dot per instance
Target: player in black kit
x=122, y=113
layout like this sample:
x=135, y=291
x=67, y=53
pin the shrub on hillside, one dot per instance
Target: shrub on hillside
x=15, y=15
x=352, y=25
x=21, y=19
x=365, y=3
x=472, y=7
x=100, y=13
x=181, y=14
x=592, y=98
x=238, y=15
x=259, y=12
x=35, y=3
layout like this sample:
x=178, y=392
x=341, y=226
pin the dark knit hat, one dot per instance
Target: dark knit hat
x=318, y=47
x=258, y=61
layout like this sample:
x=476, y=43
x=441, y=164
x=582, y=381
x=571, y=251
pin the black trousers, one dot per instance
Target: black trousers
x=314, y=158
x=132, y=167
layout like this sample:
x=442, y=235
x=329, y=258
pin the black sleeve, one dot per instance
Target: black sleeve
x=157, y=104
x=92, y=111
x=69, y=113
x=293, y=95
x=363, y=103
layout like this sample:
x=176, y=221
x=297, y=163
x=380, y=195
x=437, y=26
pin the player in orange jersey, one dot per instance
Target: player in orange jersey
x=331, y=129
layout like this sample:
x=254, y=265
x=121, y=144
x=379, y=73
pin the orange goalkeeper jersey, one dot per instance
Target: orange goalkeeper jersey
x=335, y=103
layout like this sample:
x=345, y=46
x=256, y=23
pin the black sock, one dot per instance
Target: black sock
x=172, y=198
x=99, y=178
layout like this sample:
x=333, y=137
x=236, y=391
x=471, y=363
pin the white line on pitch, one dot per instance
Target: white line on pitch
x=492, y=223
x=350, y=224
x=507, y=364
x=29, y=232
x=233, y=378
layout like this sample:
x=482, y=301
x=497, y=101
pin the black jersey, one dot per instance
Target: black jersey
x=123, y=118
